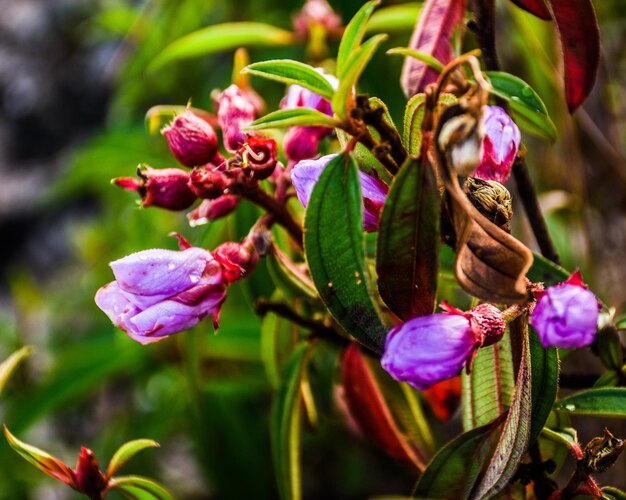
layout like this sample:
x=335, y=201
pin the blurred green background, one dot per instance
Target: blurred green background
x=74, y=93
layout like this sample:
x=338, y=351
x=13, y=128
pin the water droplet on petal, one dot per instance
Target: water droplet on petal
x=171, y=267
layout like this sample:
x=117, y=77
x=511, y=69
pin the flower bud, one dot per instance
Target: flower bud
x=210, y=210
x=237, y=259
x=461, y=137
x=566, y=315
x=492, y=200
x=157, y=292
x=315, y=13
x=301, y=143
x=500, y=145
x=300, y=97
x=306, y=173
x=208, y=183
x=165, y=188
x=191, y=140
x=259, y=155
x=235, y=112
x=89, y=479
x=489, y=320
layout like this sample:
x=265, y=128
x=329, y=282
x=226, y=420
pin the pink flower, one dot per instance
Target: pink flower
x=500, y=145
x=191, y=140
x=160, y=292
x=235, y=112
x=306, y=173
x=566, y=315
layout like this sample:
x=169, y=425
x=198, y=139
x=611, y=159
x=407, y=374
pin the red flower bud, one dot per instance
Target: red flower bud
x=235, y=112
x=192, y=140
x=89, y=479
x=210, y=210
x=489, y=320
x=165, y=188
x=237, y=259
x=208, y=183
x=259, y=154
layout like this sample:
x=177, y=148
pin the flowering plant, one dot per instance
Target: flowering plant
x=366, y=229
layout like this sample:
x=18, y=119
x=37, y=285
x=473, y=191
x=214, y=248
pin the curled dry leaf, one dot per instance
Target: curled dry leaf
x=490, y=263
x=580, y=42
x=433, y=36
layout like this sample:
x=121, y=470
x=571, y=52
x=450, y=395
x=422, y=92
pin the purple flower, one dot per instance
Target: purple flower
x=306, y=173
x=566, y=315
x=428, y=349
x=191, y=140
x=235, y=112
x=500, y=145
x=160, y=292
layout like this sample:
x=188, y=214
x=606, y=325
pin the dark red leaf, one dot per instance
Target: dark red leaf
x=580, y=42
x=535, y=7
x=368, y=408
x=432, y=35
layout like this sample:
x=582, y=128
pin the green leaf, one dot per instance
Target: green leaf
x=608, y=402
x=352, y=36
x=611, y=493
x=45, y=462
x=350, y=77
x=394, y=18
x=607, y=379
x=526, y=106
x=407, y=255
x=333, y=242
x=221, y=37
x=291, y=117
x=455, y=468
x=286, y=413
x=545, y=271
x=8, y=366
x=140, y=487
x=290, y=278
x=545, y=383
x=427, y=59
x=488, y=389
x=292, y=72
x=516, y=431
x=128, y=451
x=412, y=130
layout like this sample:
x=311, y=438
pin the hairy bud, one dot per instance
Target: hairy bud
x=492, y=200
x=208, y=183
x=191, y=140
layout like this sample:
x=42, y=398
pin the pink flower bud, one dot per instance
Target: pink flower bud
x=306, y=173
x=89, y=479
x=259, y=154
x=300, y=97
x=237, y=259
x=301, y=143
x=208, y=183
x=210, y=210
x=235, y=112
x=500, y=145
x=165, y=188
x=157, y=293
x=191, y=140
x=315, y=13
x=566, y=315
x=489, y=320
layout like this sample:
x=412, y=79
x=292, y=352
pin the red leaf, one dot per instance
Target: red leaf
x=432, y=35
x=444, y=397
x=580, y=42
x=368, y=408
x=535, y=7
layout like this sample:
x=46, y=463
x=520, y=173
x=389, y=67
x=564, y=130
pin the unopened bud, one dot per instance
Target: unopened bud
x=237, y=259
x=208, y=183
x=500, y=145
x=235, y=112
x=301, y=143
x=210, y=210
x=492, y=200
x=191, y=140
x=259, y=154
x=315, y=13
x=461, y=137
x=165, y=188
x=89, y=478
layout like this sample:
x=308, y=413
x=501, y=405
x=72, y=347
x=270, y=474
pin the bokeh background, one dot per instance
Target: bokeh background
x=73, y=94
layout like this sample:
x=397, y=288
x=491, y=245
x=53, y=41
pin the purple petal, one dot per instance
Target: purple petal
x=305, y=175
x=160, y=272
x=114, y=303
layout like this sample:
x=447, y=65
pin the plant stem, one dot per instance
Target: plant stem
x=484, y=27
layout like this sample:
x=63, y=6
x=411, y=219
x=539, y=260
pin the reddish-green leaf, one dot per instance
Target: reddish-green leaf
x=433, y=36
x=407, y=255
x=138, y=487
x=369, y=410
x=580, y=42
x=128, y=451
x=333, y=242
x=535, y=7
x=42, y=460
